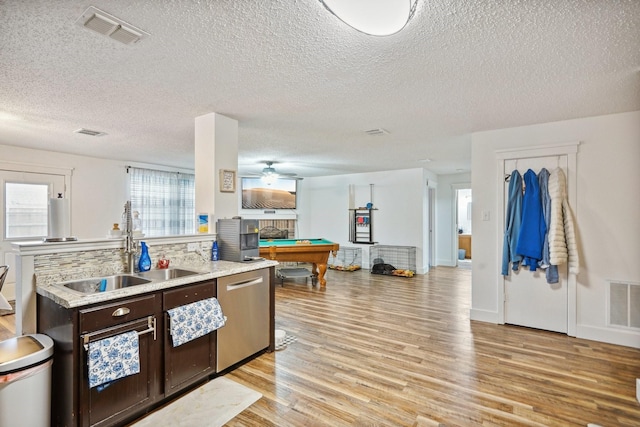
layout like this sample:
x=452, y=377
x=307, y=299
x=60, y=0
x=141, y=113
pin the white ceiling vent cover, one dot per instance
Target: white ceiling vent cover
x=89, y=132
x=110, y=26
x=376, y=132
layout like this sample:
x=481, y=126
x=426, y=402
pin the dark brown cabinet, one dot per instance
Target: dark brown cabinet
x=165, y=370
x=125, y=396
x=194, y=360
x=73, y=402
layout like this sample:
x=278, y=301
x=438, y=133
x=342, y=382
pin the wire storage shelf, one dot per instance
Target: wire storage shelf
x=393, y=260
x=346, y=259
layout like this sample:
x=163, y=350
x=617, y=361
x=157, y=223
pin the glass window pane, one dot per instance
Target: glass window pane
x=165, y=201
x=25, y=210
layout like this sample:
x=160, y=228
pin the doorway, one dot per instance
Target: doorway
x=527, y=299
x=463, y=212
x=24, y=198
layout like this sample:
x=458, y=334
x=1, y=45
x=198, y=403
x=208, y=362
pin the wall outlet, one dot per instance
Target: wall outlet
x=192, y=247
x=638, y=389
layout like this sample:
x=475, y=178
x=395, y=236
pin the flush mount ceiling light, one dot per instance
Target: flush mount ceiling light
x=373, y=17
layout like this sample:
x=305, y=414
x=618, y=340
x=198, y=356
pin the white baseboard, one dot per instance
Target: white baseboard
x=446, y=263
x=609, y=335
x=484, y=315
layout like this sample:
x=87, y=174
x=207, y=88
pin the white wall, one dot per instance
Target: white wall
x=606, y=215
x=99, y=187
x=399, y=196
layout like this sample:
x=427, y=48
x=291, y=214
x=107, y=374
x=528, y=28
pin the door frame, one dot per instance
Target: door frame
x=431, y=226
x=11, y=285
x=569, y=149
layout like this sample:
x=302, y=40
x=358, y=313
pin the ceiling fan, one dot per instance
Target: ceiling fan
x=270, y=174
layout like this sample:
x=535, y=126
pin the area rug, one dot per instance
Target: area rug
x=211, y=405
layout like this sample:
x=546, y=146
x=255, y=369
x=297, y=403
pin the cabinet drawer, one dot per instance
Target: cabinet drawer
x=188, y=294
x=104, y=316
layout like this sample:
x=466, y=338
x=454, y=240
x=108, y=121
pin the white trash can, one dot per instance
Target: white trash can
x=25, y=381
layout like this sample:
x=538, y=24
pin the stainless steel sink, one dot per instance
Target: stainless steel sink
x=119, y=281
x=92, y=286
x=166, y=274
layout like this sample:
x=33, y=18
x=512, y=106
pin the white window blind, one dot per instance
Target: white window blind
x=165, y=201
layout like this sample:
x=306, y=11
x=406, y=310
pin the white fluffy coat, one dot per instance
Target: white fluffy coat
x=562, y=237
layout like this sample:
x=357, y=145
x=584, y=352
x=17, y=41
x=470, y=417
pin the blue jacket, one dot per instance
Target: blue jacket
x=533, y=228
x=512, y=225
x=551, y=271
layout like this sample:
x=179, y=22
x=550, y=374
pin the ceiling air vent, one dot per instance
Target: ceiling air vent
x=376, y=132
x=110, y=26
x=89, y=132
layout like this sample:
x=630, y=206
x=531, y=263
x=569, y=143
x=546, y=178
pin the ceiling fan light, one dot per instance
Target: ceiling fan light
x=373, y=17
x=270, y=178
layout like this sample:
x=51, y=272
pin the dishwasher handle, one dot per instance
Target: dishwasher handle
x=244, y=284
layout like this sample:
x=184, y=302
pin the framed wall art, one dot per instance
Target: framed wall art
x=227, y=181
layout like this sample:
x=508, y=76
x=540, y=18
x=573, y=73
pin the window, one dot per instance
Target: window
x=24, y=202
x=165, y=201
x=25, y=210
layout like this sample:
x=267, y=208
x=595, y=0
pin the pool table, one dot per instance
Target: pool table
x=315, y=251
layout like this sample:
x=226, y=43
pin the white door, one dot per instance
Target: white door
x=24, y=198
x=529, y=300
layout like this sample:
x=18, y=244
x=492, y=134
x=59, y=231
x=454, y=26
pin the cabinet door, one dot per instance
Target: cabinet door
x=128, y=396
x=193, y=360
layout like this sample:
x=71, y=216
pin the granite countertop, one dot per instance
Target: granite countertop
x=210, y=270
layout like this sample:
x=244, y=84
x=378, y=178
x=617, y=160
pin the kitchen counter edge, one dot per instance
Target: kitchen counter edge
x=70, y=299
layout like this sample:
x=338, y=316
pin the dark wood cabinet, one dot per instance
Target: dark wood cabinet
x=192, y=361
x=73, y=402
x=165, y=370
x=122, y=398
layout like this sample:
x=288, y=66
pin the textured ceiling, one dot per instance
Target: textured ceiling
x=303, y=86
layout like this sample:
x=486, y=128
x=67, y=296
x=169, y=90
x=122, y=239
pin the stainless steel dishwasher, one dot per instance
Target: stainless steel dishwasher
x=244, y=299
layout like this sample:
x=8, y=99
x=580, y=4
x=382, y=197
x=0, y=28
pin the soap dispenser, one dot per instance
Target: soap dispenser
x=144, y=264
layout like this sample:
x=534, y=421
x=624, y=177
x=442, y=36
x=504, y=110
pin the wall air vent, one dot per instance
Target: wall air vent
x=110, y=26
x=624, y=304
x=89, y=132
x=376, y=132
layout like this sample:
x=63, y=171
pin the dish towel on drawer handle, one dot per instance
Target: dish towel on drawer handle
x=113, y=358
x=194, y=320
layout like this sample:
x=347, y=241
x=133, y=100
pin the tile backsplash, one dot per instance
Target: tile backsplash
x=61, y=267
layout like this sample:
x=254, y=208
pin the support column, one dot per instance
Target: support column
x=216, y=149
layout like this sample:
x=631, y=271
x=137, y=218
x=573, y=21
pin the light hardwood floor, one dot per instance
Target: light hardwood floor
x=7, y=327
x=389, y=351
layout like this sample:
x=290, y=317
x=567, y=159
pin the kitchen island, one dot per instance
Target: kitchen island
x=78, y=317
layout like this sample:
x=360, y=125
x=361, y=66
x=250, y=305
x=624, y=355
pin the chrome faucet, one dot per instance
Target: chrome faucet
x=130, y=244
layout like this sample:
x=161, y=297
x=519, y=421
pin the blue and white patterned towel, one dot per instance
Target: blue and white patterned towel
x=194, y=320
x=113, y=358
